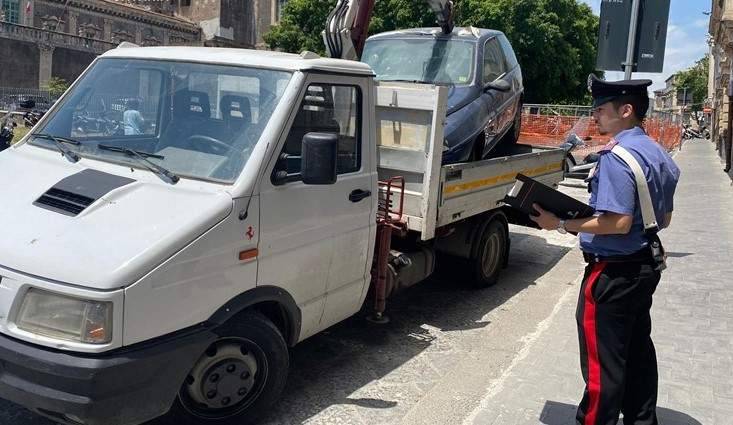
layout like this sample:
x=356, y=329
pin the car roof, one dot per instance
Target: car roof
x=461, y=33
x=306, y=61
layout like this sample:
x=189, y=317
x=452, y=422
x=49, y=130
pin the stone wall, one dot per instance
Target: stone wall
x=23, y=70
x=69, y=64
x=67, y=35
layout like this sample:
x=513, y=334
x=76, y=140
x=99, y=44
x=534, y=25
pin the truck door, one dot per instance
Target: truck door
x=316, y=241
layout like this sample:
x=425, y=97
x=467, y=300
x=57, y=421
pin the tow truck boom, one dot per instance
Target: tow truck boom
x=348, y=22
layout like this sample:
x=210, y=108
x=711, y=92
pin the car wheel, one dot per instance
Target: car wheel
x=512, y=136
x=237, y=379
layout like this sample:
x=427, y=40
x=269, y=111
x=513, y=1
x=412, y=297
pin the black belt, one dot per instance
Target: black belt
x=643, y=255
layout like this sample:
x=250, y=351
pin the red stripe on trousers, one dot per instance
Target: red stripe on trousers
x=589, y=328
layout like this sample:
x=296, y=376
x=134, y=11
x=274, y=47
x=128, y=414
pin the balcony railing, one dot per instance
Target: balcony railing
x=53, y=38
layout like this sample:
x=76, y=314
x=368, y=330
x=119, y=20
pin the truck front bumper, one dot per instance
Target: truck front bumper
x=126, y=387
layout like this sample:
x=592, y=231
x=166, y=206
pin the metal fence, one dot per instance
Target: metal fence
x=550, y=125
x=558, y=110
x=11, y=96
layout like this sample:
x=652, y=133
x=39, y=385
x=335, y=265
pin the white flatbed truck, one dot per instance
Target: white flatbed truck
x=253, y=199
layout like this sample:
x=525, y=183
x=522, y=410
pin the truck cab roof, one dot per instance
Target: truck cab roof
x=243, y=57
x=465, y=33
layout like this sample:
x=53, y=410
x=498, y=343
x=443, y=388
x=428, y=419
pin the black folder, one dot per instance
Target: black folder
x=527, y=191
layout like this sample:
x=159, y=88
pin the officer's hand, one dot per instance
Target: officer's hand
x=545, y=219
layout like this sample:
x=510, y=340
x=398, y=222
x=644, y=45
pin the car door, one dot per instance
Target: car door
x=316, y=239
x=498, y=102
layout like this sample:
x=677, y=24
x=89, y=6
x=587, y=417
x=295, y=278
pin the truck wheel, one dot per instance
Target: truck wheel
x=237, y=379
x=488, y=258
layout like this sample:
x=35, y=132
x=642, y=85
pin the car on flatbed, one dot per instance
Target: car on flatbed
x=481, y=71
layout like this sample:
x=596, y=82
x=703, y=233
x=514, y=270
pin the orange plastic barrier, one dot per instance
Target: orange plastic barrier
x=552, y=130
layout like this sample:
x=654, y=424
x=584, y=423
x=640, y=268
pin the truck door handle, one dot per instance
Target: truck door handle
x=358, y=194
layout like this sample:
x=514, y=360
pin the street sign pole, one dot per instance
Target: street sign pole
x=629, y=65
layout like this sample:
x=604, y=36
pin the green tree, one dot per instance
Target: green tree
x=555, y=40
x=56, y=86
x=695, y=79
x=303, y=21
x=300, y=26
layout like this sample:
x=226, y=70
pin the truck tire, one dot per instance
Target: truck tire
x=489, y=255
x=237, y=379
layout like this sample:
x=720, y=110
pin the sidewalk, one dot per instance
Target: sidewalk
x=692, y=318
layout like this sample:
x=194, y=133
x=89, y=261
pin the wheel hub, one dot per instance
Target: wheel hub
x=490, y=260
x=223, y=378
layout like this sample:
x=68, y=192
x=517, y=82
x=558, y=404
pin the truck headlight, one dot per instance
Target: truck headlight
x=62, y=317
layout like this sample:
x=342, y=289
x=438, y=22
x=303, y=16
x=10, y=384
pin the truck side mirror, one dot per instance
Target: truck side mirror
x=500, y=85
x=318, y=160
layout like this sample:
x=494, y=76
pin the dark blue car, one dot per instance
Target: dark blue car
x=479, y=66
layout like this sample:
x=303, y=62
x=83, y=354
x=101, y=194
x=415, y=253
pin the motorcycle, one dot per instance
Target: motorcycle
x=6, y=130
x=573, y=170
x=30, y=118
x=705, y=132
x=690, y=133
x=102, y=126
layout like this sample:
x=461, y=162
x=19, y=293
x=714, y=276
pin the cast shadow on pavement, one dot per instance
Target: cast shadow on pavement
x=555, y=413
x=330, y=366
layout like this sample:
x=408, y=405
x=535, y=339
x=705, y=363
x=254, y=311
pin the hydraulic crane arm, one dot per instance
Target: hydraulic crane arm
x=348, y=23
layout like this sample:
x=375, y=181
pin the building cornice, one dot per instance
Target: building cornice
x=131, y=13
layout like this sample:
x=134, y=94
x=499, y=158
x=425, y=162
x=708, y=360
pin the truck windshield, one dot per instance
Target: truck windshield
x=424, y=59
x=200, y=121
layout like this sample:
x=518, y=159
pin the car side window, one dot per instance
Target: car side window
x=326, y=108
x=511, y=58
x=494, y=63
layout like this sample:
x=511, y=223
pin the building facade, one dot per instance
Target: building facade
x=224, y=23
x=40, y=39
x=672, y=98
x=719, y=86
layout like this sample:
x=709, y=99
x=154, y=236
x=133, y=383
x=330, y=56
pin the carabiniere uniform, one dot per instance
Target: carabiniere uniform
x=618, y=359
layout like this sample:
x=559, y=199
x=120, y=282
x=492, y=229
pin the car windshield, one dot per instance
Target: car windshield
x=198, y=121
x=424, y=59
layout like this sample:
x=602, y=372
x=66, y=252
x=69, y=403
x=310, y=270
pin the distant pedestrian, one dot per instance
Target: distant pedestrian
x=624, y=256
x=132, y=119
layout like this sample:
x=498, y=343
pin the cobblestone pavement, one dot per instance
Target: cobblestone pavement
x=508, y=354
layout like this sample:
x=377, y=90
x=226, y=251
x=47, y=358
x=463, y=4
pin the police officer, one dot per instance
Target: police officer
x=617, y=355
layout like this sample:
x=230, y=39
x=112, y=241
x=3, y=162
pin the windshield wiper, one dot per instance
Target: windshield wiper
x=142, y=157
x=437, y=83
x=60, y=144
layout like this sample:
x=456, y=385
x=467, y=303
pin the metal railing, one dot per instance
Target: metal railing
x=11, y=96
x=559, y=110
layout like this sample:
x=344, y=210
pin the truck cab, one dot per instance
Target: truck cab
x=132, y=250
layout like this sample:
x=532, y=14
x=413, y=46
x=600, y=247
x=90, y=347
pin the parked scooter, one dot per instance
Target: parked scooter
x=7, y=125
x=30, y=118
x=705, y=132
x=690, y=133
x=572, y=169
